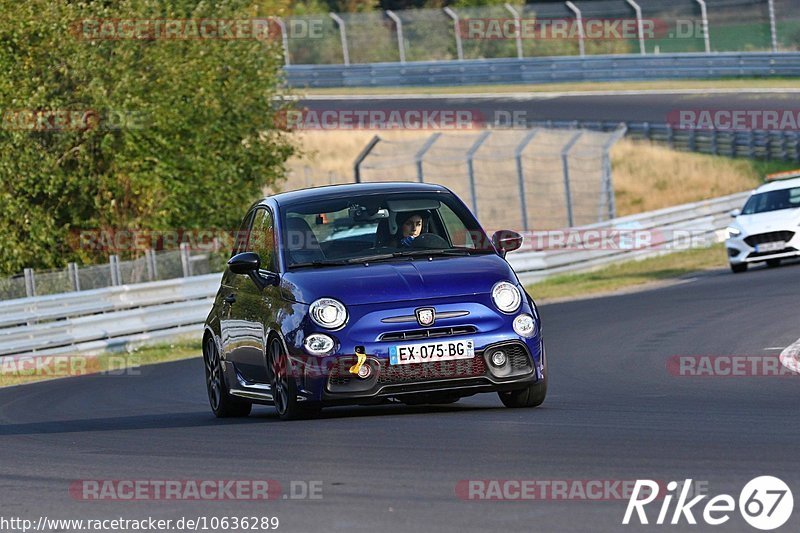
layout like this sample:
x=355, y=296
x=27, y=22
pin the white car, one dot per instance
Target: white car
x=768, y=226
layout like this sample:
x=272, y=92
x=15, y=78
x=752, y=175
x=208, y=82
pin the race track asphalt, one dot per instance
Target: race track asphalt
x=645, y=106
x=614, y=412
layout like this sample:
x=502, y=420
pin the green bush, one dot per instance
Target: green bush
x=182, y=136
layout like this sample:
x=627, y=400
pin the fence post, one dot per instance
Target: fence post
x=399, y=23
x=150, y=262
x=608, y=183
x=518, y=26
x=581, y=35
x=773, y=28
x=640, y=25
x=284, y=40
x=704, y=14
x=30, y=283
x=456, y=26
x=186, y=260
x=565, y=163
x=72, y=272
x=471, y=171
x=362, y=156
x=343, y=36
x=420, y=155
x=113, y=266
x=521, y=175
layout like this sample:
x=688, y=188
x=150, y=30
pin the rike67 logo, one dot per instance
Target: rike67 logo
x=766, y=503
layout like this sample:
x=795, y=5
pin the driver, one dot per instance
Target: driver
x=410, y=229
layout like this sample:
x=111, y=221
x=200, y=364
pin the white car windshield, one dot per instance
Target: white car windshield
x=772, y=201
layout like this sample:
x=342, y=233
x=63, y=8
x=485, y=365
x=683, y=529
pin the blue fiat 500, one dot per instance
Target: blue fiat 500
x=369, y=293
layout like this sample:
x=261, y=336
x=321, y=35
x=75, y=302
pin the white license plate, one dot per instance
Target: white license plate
x=770, y=246
x=433, y=351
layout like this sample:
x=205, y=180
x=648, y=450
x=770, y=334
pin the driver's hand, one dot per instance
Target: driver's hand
x=406, y=241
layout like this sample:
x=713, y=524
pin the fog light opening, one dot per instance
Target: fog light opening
x=499, y=358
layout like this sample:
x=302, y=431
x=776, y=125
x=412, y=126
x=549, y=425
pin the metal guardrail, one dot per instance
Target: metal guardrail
x=548, y=70
x=781, y=145
x=114, y=317
x=669, y=228
x=107, y=318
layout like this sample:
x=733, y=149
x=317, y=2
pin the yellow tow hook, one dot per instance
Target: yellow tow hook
x=362, y=358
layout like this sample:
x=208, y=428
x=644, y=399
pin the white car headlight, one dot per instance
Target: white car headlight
x=733, y=232
x=506, y=297
x=328, y=313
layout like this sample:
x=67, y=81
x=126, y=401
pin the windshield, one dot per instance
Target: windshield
x=379, y=227
x=772, y=201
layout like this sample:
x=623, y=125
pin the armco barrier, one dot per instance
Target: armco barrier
x=548, y=69
x=702, y=220
x=101, y=319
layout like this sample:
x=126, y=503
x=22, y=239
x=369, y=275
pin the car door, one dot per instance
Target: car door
x=252, y=307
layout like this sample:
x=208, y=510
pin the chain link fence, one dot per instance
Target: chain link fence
x=152, y=266
x=543, y=29
x=516, y=179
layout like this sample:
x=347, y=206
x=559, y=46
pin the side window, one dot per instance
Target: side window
x=240, y=240
x=458, y=233
x=262, y=239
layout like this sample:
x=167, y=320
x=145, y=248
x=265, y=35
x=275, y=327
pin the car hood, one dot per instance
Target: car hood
x=399, y=280
x=783, y=219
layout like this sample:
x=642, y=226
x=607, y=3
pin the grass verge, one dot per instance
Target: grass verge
x=662, y=85
x=630, y=274
x=19, y=370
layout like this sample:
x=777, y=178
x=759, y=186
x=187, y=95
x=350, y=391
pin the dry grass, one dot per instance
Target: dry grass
x=646, y=176
x=649, y=176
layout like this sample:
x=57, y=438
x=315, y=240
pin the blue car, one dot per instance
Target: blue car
x=365, y=294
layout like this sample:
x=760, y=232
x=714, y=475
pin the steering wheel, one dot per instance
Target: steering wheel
x=430, y=241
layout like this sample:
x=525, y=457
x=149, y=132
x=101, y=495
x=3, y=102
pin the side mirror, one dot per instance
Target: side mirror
x=244, y=263
x=249, y=264
x=506, y=241
x=735, y=213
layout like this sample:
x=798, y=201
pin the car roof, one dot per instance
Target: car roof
x=777, y=185
x=351, y=189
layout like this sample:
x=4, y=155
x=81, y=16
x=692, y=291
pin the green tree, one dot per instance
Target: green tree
x=183, y=132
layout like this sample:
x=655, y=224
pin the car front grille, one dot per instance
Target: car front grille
x=392, y=374
x=429, y=333
x=517, y=357
x=772, y=236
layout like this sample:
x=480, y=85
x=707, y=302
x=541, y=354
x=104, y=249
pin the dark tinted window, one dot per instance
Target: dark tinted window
x=772, y=201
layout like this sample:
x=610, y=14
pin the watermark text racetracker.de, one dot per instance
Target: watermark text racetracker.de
x=559, y=489
x=732, y=366
x=135, y=490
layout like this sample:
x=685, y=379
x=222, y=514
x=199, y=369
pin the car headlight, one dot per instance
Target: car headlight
x=328, y=313
x=319, y=344
x=733, y=232
x=506, y=297
x=525, y=325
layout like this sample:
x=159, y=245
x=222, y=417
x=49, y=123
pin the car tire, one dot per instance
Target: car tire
x=773, y=263
x=284, y=387
x=531, y=396
x=223, y=404
x=739, y=268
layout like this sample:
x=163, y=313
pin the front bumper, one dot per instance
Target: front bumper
x=744, y=248
x=329, y=380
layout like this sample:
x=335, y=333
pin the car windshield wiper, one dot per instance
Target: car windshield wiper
x=322, y=263
x=411, y=253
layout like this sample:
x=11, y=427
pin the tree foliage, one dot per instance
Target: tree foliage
x=182, y=131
